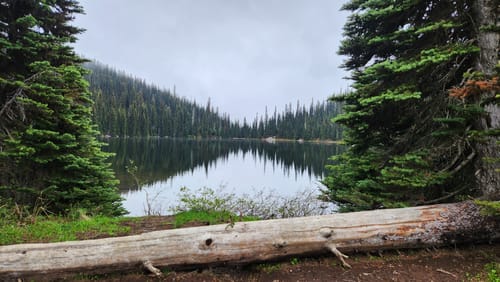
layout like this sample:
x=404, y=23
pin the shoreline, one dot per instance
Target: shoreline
x=270, y=140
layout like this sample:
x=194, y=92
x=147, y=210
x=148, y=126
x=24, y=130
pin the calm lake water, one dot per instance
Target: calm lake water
x=234, y=166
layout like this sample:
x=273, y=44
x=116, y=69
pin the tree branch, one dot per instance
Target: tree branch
x=464, y=163
x=18, y=93
x=445, y=197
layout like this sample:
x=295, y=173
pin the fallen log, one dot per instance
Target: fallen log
x=255, y=241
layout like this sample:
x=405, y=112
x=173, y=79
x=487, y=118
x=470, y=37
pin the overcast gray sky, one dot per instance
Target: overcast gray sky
x=243, y=54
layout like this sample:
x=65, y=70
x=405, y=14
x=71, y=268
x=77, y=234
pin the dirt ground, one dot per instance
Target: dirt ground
x=456, y=263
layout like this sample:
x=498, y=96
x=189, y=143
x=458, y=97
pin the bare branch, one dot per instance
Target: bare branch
x=19, y=92
x=445, y=197
x=6, y=107
x=464, y=162
x=149, y=266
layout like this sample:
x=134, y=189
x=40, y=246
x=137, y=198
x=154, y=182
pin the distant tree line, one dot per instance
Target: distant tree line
x=312, y=122
x=126, y=106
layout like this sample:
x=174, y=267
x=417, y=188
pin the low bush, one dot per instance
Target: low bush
x=262, y=205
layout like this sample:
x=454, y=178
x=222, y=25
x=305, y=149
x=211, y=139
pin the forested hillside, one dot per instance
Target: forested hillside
x=126, y=106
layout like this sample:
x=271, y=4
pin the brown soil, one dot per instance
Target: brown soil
x=459, y=263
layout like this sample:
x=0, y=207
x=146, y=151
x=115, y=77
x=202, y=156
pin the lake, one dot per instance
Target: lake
x=241, y=167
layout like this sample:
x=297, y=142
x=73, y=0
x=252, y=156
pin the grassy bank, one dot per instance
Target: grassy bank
x=465, y=263
x=57, y=229
x=198, y=207
x=15, y=229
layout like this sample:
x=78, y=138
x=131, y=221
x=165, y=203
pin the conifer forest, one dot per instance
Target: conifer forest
x=127, y=106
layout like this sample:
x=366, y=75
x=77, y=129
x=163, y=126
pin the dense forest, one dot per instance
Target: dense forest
x=423, y=120
x=126, y=106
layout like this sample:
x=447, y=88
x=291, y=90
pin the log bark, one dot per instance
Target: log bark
x=255, y=241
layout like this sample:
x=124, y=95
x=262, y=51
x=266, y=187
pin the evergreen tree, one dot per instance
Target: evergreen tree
x=410, y=142
x=49, y=155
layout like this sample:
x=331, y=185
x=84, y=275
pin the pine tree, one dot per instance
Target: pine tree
x=49, y=155
x=409, y=141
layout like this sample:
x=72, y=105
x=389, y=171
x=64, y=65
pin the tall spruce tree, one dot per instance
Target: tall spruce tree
x=49, y=155
x=413, y=137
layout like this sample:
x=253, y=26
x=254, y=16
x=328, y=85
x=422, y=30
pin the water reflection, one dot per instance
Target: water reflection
x=159, y=159
x=166, y=165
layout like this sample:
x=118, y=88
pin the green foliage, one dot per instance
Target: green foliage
x=259, y=205
x=490, y=273
x=54, y=229
x=390, y=95
x=268, y=267
x=207, y=206
x=294, y=261
x=360, y=175
x=489, y=207
x=409, y=143
x=208, y=217
x=48, y=147
x=493, y=271
x=205, y=200
x=412, y=170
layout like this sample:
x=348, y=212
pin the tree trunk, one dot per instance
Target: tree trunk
x=255, y=241
x=487, y=176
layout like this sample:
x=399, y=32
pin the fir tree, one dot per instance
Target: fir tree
x=409, y=141
x=49, y=155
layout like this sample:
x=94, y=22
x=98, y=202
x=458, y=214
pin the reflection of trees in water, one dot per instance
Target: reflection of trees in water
x=159, y=159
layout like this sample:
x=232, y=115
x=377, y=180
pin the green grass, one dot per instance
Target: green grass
x=493, y=271
x=268, y=267
x=57, y=229
x=490, y=273
x=15, y=230
x=209, y=217
x=489, y=207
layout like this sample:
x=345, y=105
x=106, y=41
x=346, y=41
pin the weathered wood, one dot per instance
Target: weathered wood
x=255, y=241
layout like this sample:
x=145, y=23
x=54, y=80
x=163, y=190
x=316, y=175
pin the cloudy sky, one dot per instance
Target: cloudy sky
x=242, y=54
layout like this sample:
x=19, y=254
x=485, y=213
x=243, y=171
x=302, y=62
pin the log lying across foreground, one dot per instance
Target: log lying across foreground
x=255, y=241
